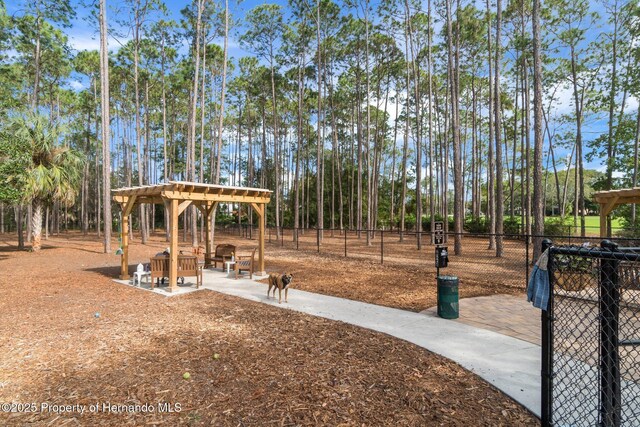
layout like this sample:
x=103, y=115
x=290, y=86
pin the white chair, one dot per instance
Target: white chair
x=139, y=274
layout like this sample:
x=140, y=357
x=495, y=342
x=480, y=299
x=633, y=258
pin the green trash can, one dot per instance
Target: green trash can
x=448, y=297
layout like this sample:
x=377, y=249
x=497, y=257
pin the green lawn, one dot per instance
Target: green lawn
x=590, y=221
x=593, y=221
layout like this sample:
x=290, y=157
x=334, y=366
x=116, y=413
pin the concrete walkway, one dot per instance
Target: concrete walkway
x=510, y=364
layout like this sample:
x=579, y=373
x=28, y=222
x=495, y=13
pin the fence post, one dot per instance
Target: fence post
x=610, y=399
x=345, y=242
x=381, y=246
x=547, y=345
x=526, y=268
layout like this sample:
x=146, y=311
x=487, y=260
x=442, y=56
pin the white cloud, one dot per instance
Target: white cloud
x=87, y=40
x=563, y=103
x=232, y=43
x=84, y=41
x=616, y=174
x=76, y=85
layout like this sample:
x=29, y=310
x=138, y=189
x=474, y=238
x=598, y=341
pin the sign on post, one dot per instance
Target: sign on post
x=438, y=233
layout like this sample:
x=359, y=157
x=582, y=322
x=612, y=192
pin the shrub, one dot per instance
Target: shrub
x=558, y=227
x=426, y=222
x=409, y=221
x=476, y=224
x=511, y=226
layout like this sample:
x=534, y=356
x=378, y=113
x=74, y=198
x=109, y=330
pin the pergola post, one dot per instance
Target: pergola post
x=124, y=238
x=603, y=221
x=173, y=252
x=126, y=204
x=606, y=207
x=207, y=235
x=259, y=208
x=207, y=210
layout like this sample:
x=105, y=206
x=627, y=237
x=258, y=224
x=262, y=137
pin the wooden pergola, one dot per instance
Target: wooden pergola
x=609, y=200
x=176, y=196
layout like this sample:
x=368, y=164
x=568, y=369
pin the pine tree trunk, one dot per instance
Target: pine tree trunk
x=458, y=208
x=432, y=201
x=538, y=208
x=416, y=93
x=319, y=143
x=296, y=179
x=491, y=203
x=634, y=181
x=498, y=129
x=19, y=229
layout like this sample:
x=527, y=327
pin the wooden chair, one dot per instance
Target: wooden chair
x=187, y=267
x=222, y=254
x=159, y=268
x=244, y=262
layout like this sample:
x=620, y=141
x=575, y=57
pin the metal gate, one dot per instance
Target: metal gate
x=591, y=337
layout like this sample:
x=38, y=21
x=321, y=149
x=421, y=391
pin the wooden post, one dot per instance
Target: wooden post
x=605, y=209
x=173, y=256
x=207, y=236
x=127, y=206
x=259, y=208
x=603, y=221
x=124, y=238
x=261, y=270
x=207, y=213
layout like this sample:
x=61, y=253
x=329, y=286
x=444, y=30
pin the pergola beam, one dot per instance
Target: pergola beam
x=231, y=198
x=609, y=200
x=183, y=205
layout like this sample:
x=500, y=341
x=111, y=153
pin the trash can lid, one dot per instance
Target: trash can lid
x=447, y=278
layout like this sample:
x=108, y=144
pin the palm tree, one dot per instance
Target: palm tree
x=53, y=168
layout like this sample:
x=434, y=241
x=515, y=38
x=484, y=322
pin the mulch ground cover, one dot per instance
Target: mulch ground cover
x=405, y=279
x=72, y=336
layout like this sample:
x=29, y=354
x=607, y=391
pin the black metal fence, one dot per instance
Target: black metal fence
x=591, y=337
x=478, y=263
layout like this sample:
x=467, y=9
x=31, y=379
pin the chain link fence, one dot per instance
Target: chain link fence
x=591, y=337
x=478, y=263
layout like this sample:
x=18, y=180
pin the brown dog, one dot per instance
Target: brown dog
x=280, y=282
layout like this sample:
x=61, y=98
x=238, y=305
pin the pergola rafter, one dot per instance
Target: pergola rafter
x=609, y=200
x=176, y=196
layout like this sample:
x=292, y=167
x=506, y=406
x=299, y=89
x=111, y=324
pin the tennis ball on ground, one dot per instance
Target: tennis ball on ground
x=216, y=356
x=186, y=375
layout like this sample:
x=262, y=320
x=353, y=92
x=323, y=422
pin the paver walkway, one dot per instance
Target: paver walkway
x=506, y=314
x=510, y=364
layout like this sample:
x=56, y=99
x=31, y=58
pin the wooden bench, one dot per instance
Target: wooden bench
x=187, y=267
x=221, y=255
